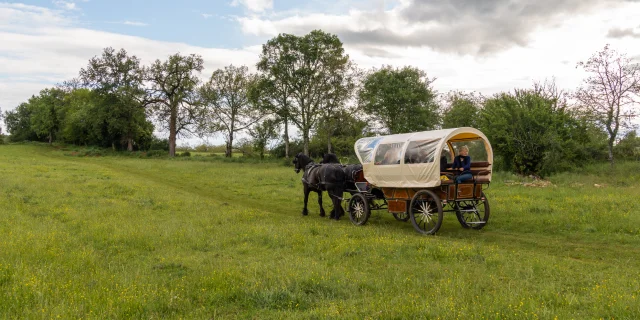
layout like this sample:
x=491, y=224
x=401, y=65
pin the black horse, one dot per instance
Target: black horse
x=318, y=178
x=329, y=158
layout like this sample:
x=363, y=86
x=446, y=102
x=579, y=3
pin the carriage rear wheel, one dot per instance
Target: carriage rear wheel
x=359, y=209
x=473, y=214
x=402, y=216
x=426, y=212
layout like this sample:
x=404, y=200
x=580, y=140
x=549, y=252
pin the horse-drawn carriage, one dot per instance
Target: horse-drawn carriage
x=410, y=176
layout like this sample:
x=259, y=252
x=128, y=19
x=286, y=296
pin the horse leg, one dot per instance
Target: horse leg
x=322, y=213
x=336, y=196
x=306, y=199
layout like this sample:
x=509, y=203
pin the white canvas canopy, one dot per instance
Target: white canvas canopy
x=412, y=160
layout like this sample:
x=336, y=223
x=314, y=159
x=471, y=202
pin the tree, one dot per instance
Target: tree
x=610, y=91
x=533, y=134
x=18, y=122
x=402, y=100
x=304, y=68
x=172, y=94
x=262, y=133
x=273, y=91
x=343, y=130
x=462, y=111
x=336, y=102
x=79, y=117
x=228, y=107
x=118, y=78
x=45, y=117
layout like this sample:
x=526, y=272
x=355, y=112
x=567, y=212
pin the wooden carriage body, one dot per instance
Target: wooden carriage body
x=406, y=169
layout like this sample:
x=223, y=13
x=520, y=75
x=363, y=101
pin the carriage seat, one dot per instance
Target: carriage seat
x=479, y=170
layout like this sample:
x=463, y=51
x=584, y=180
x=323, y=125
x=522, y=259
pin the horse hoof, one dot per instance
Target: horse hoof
x=305, y=212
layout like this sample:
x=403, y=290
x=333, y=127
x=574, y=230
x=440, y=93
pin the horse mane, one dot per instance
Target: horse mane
x=330, y=158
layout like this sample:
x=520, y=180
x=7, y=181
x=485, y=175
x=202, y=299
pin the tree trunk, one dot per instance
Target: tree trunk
x=228, y=151
x=610, y=149
x=286, y=138
x=305, y=138
x=50, y=138
x=129, y=144
x=172, y=131
x=329, y=143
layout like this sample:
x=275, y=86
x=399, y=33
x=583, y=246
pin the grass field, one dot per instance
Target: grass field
x=117, y=237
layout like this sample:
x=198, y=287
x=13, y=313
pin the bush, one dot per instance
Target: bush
x=186, y=154
x=157, y=144
x=156, y=153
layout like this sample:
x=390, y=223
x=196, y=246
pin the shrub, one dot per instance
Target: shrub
x=186, y=154
x=156, y=153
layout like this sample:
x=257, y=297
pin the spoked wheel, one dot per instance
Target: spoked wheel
x=359, y=209
x=426, y=212
x=473, y=214
x=403, y=216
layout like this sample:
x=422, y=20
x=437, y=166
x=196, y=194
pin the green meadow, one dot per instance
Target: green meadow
x=107, y=237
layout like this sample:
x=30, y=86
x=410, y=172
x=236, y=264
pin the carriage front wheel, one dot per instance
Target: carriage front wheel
x=425, y=212
x=473, y=213
x=359, y=209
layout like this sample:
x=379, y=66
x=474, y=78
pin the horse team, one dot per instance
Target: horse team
x=328, y=175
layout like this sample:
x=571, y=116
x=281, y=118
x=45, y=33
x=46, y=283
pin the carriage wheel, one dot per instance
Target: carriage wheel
x=359, y=209
x=473, y=213
x=426, y=212
x=402, y=216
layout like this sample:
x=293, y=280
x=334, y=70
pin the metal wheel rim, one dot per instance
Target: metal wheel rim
x=426, y=214
x=357, y=210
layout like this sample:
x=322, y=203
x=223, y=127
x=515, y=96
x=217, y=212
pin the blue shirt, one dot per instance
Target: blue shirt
x=463, y=162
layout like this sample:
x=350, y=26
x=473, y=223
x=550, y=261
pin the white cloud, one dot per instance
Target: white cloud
x=254, y=5
x=65, y=5
x=135, y=23
x=41, y=47
x=206, y=15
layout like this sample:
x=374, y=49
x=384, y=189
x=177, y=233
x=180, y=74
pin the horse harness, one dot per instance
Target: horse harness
x=308, y=169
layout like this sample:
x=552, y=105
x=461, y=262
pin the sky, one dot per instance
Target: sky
x=487, y=46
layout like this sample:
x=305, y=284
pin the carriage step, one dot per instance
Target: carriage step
x=475, y=222
x=468, y=210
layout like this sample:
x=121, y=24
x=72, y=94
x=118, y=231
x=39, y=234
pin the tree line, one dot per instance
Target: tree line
x=311, y=83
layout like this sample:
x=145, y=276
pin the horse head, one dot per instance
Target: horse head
x=300, y=161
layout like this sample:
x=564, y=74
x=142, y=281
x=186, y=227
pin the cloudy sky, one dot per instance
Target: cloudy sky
x=470, y=45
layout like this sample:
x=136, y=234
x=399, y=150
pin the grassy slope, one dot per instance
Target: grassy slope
x=147, y=238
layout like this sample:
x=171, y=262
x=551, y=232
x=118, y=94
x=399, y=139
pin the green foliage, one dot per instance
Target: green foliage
x=18, y=122
x=46, y=110
x=186, y=154
x=311, y=69
x=229, y=109
x=173, y=94
x=262, y=133
x=343, y=130
x=532, y=134
x=156, y=153
x=402, y=99
x=117, y=80
x=628, y=147
x=463, y=110
x=111, y=238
